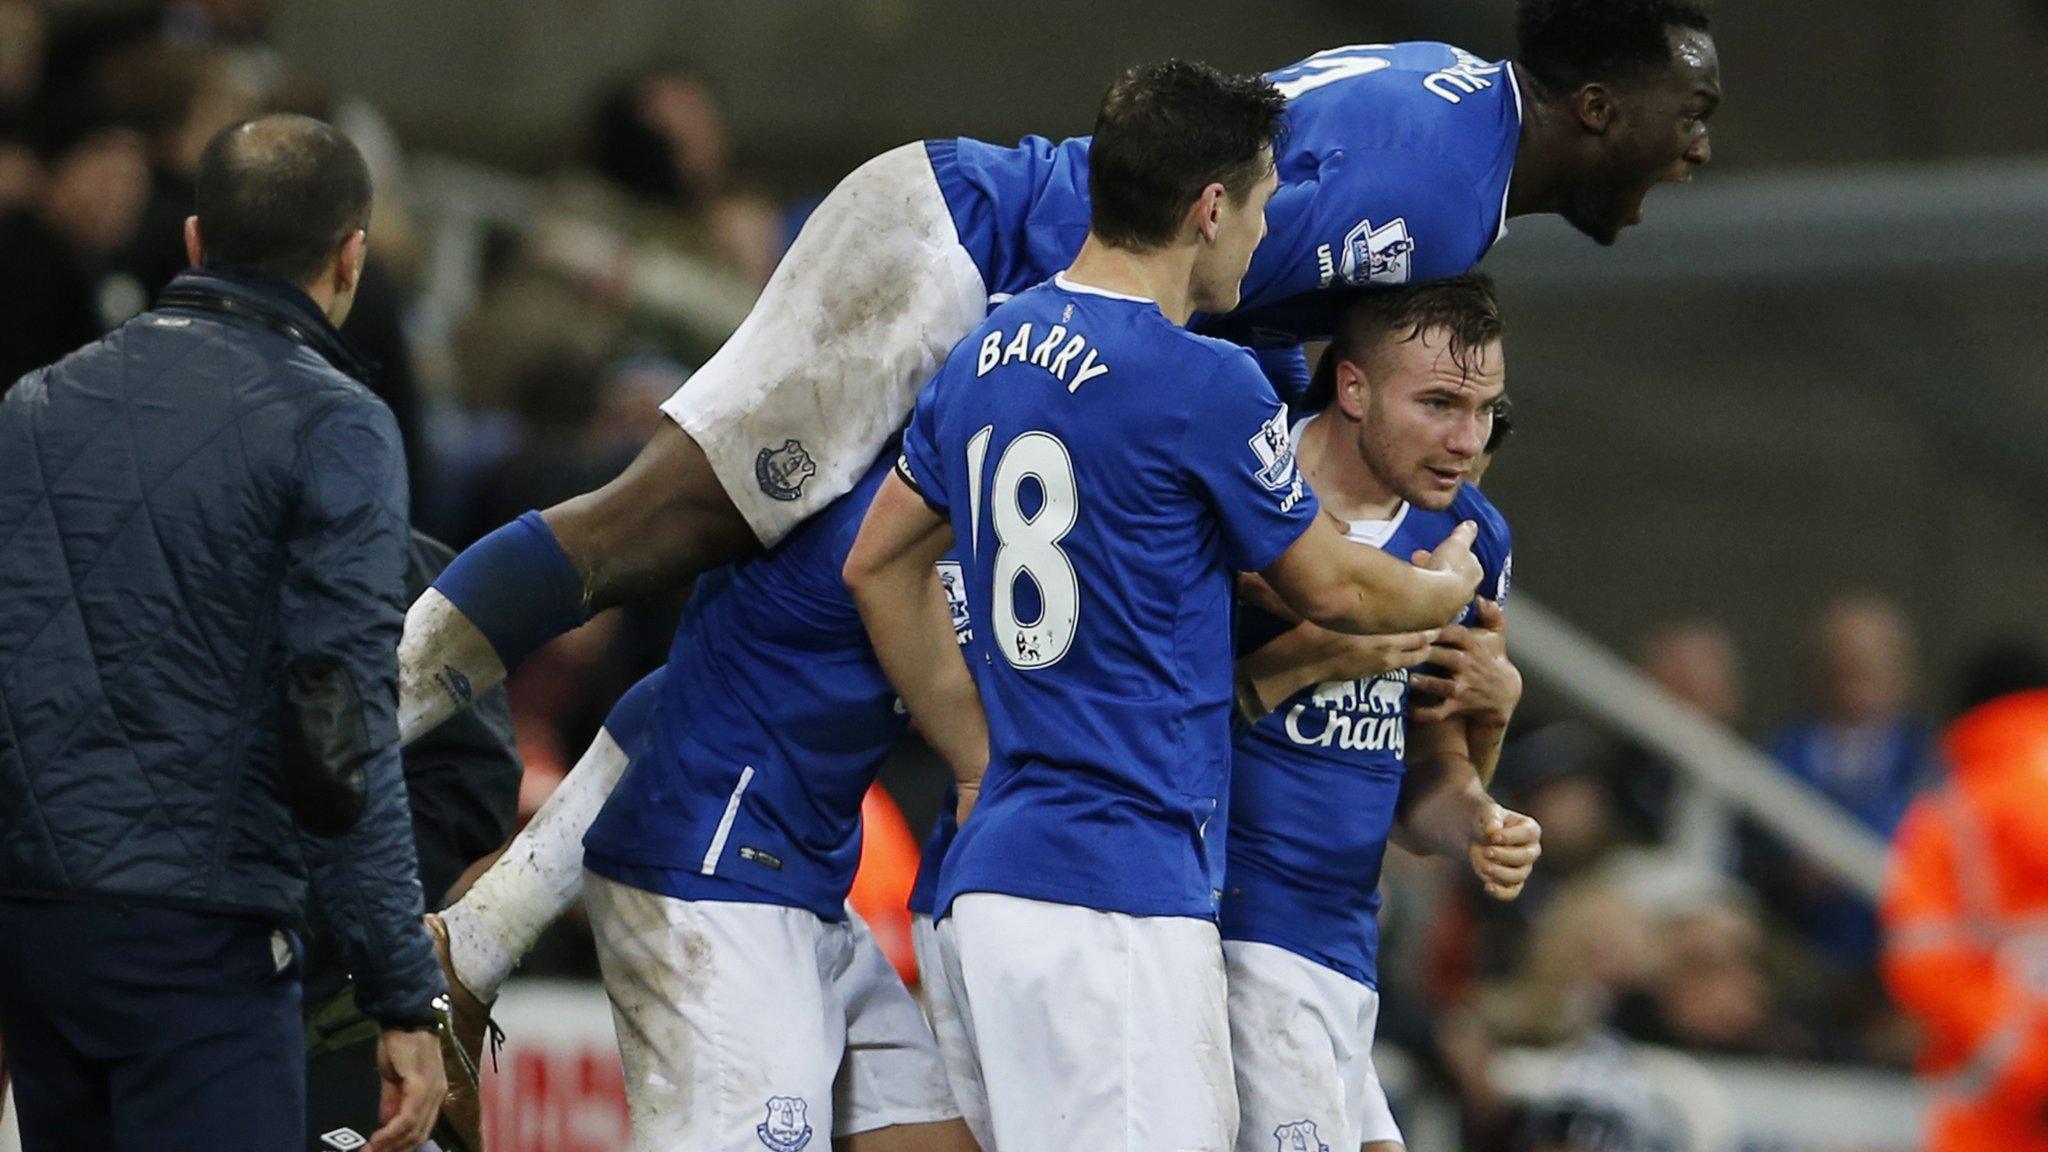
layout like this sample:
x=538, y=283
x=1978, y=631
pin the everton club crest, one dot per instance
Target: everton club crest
x=781, y=472
x=788, y=1126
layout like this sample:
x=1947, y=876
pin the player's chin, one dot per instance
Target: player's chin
x=1434, y=489
x=1604, y=226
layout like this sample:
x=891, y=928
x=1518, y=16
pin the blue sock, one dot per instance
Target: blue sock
x=518, y=587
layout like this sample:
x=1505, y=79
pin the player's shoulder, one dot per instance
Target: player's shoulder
x=1428, y=72
x=1426, y=57
x=1472, y=504
x=1494, y=546
x=1230, y=363
x=1421, y=97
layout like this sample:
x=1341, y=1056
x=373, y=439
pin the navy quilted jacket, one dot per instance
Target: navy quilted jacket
x=191, y=508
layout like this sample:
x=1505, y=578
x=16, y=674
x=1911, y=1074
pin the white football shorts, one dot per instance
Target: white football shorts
x=865, y=305
x=1301, y=1040
x=752, y=1026
x=1091, y=1030
x=942, y=1012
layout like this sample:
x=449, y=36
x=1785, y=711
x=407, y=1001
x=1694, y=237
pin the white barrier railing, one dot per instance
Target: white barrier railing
x=1713, y=760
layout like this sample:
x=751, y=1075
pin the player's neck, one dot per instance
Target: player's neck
x=1163, y=275
x=1537, y=184
x=1336, y=471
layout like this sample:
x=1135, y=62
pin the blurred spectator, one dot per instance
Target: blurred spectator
x=58, y=272
x=1709, y=991
x=225, y=22
x=660, y=137
x=22, y=43
x=555, y=403
x=1864, y=748
x=179, y=96
x=1591, y=946
x=1695, y=661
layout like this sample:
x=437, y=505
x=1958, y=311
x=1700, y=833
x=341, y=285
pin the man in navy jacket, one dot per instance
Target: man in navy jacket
x=202, y=553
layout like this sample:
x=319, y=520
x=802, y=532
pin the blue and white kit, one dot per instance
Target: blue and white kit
x=1106, y=473
x=1301, y=890
x=1394, y=168
x=753, y=1008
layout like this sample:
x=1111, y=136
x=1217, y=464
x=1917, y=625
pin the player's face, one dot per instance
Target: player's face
x=1240, y=225
x=1658, y=135
x=1424, y=420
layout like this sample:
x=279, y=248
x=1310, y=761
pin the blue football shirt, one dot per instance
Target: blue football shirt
x=1106, y=471
x=763, y=733
x=1314, y=783
x=1394, y=168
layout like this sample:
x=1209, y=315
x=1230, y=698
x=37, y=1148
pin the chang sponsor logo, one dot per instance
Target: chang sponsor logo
x=1353, y=715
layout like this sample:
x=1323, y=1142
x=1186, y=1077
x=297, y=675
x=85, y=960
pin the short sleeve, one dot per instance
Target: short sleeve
x=1370, y=218
x=1286, y=368
x=1240, y=457
x=1493, y=547
x=919, y=462
x=1496, y=556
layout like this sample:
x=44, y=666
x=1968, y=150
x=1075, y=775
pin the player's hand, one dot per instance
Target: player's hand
x=1364, y=657
x=1504, y=848
x=409, y=1064
x=1454, y=555
x=1479, y=681
x=967, y=795
x=1252, y=589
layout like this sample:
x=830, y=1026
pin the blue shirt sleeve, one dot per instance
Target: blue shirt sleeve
x=1241, y=460
x=1494, y=546
x=1370, y=217
x=1286, y=368
x=920, y=463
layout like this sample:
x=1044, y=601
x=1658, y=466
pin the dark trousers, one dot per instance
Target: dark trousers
x=144, y=1029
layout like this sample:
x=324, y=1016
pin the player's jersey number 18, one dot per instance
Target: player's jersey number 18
x=1028, y=544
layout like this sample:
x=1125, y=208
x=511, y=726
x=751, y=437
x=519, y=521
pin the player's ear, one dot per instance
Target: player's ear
x=1209, y=210
x=1595, y=107
x=1351, y=385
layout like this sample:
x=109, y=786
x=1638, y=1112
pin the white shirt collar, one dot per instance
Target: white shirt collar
x=1060, y=279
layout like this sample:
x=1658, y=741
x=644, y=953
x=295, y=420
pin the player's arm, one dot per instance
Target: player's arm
x=1479, y=686
x=1306, y=655
x=1238, y=454
x=1349, y=587
x=1444, y=810
x=893, y=576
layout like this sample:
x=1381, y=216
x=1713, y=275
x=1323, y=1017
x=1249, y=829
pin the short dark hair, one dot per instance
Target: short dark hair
x=278, y=193
x=1167, y=131
x=1566, y=44
x=1463, y=306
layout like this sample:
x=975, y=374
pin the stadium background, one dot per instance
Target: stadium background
x=1815, y=373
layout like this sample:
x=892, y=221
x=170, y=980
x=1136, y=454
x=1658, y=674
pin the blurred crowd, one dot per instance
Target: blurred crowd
x=1654, y=918
x=1658, y=918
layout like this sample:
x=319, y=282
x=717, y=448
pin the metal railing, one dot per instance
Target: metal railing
x=1723, y=771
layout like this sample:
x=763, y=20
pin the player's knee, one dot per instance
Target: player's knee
x=660, y=523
